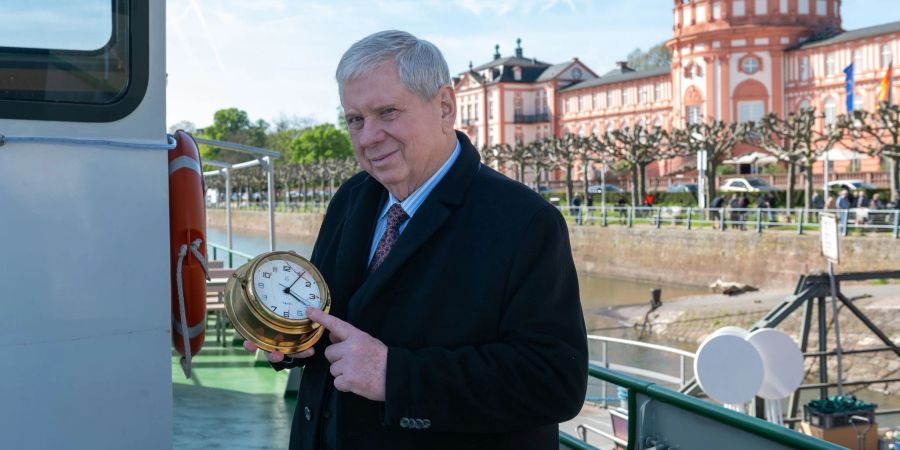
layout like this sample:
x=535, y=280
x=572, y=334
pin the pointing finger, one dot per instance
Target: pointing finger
x=338, y=328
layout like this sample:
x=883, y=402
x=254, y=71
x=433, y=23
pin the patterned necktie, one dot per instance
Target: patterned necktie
x=395, y=217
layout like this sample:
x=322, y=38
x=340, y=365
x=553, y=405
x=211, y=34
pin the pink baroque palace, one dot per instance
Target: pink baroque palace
x=732, y=60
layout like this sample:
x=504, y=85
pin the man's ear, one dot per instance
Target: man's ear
x=448, y=107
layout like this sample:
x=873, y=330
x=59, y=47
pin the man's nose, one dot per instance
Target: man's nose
x=371, y=134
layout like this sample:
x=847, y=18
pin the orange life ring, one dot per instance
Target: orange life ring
x=187, y=237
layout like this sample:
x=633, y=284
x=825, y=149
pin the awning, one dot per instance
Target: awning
x=753, y=158
x=841, y=154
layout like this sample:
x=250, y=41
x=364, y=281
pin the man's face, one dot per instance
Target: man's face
x=398, y=138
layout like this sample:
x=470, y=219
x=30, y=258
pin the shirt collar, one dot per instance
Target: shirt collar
x=411, y=203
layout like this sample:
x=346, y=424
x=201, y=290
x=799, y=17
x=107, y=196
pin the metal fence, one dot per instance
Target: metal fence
x=799, y=220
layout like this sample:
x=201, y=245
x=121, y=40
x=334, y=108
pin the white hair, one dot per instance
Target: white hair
x=420, y=65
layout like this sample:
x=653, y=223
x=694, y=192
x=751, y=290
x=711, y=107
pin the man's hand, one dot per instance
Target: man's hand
x=358, y=361
x=277, y=357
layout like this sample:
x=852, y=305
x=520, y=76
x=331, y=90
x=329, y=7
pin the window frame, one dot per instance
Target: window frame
x=138, y=36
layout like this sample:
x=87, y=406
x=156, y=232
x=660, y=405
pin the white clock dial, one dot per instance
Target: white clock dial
x=286, y=289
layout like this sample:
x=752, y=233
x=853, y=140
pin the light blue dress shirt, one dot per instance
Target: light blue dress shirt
x=413, y=202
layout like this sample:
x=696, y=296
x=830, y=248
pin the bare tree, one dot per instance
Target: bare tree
x=796, y=141
x=717, y=138
x=593, y=150
x=539, y=155
x=565, y=153
x=878, y=134
x=635, y=148
x=518, y=155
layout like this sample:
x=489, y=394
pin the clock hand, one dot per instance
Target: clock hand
x=295, y=281
x=287, y=290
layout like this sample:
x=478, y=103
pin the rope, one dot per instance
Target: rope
x=169, y=145
x=186, y=359
x=194, y=248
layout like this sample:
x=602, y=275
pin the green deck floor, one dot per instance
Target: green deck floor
x=229, y=403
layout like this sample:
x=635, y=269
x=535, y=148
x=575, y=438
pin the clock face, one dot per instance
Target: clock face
x=285, y=288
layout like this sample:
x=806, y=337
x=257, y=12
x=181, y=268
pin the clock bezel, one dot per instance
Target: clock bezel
x=259, y=308
x=256, y=323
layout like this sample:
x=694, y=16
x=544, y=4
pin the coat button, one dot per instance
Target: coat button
x=306, y=413
x=404, y=422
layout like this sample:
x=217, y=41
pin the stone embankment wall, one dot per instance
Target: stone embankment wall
x=304, y=226
x=700, y=257
x=696, y=257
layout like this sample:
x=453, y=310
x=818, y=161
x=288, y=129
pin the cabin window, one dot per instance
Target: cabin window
x=83, y=61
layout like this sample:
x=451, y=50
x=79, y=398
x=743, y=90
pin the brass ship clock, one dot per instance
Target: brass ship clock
x=266, y=301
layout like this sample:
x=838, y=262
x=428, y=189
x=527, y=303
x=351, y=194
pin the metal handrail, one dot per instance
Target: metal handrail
x=230, y=251
x=662, y=348
x=691, y=405
x=756, y=219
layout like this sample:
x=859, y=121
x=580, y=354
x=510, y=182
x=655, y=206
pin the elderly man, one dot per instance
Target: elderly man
x=456, y=321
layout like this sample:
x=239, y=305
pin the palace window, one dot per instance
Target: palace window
x=750, y=110
x=717, y=10
x=597, y=97
x=761, y=6
x=804, y=68
x=750, y=65
x=577, y=73
x=626, y=96
x=857, y=61
x=782, y=8
x=830, y=112
x=643, y=94
x=657, y=94
x=518, y=104
x=609, y=99
x=803, y=6
x=858, y=102
x=519, y=136
x=830, y=68
x=584, y=103
x=885, y=55
x=517, y=73
x=491, y=109
x=693, y=115
x=821, y=8
x=737, y=8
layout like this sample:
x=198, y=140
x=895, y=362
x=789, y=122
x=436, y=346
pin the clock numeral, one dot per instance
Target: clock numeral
x=260, y=285
x=273, y=308
x=308, y=284
x=287, y=314
x=286, y=268
x=267, y=274
x=274, y=269
x=313, y=296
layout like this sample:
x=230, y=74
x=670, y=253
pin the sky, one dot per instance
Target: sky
x=276, y=58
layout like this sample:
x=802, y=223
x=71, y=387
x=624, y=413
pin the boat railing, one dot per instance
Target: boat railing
x=659, y=417
x=599, y=348
x=230, y=252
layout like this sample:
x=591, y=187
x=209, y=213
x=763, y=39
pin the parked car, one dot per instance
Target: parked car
x=682, y=187
x=850, y=185
x=609, y=188
x=746, y=185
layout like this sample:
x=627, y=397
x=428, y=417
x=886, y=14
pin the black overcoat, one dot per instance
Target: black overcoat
x=478, y=304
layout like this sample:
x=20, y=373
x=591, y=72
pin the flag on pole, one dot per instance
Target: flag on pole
x=848, y=82
x=885, y=95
